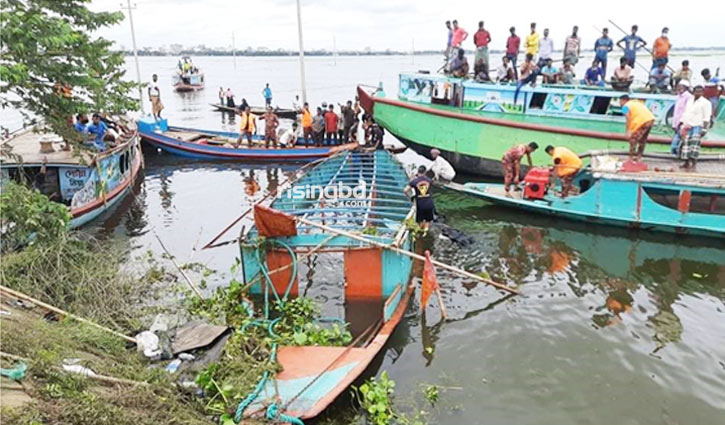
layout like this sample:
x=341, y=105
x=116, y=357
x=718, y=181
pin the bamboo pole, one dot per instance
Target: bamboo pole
x=444, y=314
x=63, y=312
x=183, y=273
x=407, y=253
x=97, y=377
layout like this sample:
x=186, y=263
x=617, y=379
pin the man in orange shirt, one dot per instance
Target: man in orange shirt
x=566, y=166
x=639, y=123
x=661, y=49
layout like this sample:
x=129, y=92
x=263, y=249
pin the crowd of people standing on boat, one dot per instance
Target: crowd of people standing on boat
x=539, y=59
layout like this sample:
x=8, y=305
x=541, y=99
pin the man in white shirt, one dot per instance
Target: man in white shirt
x=442, y=169
x=290, y=136
x=505, y=73
x=546, y=48
x=694, y=122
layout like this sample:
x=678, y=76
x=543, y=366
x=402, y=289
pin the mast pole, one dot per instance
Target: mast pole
x=302, y=53
x=234, y=50
x=135, y=54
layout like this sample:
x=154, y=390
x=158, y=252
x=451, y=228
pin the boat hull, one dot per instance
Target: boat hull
x=188, y=87
x=177, y=146
x=621, y=204
x=474, y=142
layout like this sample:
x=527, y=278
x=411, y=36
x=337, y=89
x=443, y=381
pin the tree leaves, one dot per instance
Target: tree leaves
x=53, y=68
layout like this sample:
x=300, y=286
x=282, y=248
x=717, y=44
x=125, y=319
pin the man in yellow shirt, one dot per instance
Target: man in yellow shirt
x=532, y=41
x=566, y=166
x=639, y=123
x=306, y=123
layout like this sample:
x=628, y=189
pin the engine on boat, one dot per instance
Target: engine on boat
x=536, y=183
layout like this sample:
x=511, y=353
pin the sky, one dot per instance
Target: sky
x=401, y=24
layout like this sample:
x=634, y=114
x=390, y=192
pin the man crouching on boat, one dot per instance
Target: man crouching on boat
x=511, y=162
x=420, y=188
x=566, y=166
x=442, y=170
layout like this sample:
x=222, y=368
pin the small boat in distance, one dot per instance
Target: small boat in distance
x=376, y=285
x=88, y=184
x=219, y=145
x=188, y=76
x=289, y=114
x=664, y=199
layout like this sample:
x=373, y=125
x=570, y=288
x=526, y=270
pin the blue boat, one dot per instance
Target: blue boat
x=303, y=220
x=218, y=145
x=87, y=183
x=663, y=199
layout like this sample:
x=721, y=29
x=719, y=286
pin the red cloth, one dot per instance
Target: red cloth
x=430, y=281
x=330, y=122
x=481, y=38
x=271, y=223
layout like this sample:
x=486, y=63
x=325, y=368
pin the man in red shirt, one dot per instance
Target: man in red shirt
x=331, y=125
x=512, y=49
x=481, y=39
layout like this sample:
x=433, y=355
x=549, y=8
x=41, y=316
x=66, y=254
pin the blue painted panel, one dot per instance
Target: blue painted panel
x=396, y=269
x=290, y=388
x=392, y=304
x=251, y=268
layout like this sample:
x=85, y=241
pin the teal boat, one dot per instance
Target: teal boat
x=473, y=124
x=659, y=200
x=357, y=192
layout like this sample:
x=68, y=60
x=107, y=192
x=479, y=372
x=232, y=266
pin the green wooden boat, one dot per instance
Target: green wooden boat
x=473, y=124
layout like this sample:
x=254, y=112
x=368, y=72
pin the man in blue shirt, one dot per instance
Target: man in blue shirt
x=602, y=46
x=549, y=72
x=660, y=79
x=632, y=43
x=81, y=123
x=96, y=132
x=267, y=93
x=594, y=76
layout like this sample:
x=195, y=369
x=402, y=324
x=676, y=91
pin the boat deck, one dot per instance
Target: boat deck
x=26, y=145
x=709, y=171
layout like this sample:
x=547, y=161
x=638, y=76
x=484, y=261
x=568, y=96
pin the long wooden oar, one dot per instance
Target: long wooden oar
x=406, y=253
x=63, y=312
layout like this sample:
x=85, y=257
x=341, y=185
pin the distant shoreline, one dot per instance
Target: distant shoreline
x=284, y=53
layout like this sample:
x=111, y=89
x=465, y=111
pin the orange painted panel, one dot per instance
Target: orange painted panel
x=364, y=273
x=275, y=260
x=684, y=204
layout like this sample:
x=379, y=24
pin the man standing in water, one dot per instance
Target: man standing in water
x=267, y=93
x=155, y=97
x=639, y=123
x=420, y=188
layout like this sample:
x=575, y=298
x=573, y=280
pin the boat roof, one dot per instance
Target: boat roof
x=709, y=172
x=378, y=201
x=26, y=145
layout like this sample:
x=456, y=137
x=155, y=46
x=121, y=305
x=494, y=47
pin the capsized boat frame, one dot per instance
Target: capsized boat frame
x=314, y=376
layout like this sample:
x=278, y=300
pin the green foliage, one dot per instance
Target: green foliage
x=431, y=393
x=27, y=215
x=370, y=230
x=414, y=227
x=299, y=326
x=78, y=275
x=48, y=45
x=375, y=397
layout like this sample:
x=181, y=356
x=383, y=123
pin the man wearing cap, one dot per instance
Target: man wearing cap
x=639, y=123
x=442, y=169
x=683, y=96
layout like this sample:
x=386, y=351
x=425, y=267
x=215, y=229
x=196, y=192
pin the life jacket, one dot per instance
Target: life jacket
x=249, y=123
x=306, y=118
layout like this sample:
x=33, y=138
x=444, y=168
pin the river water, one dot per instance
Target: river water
x=613, y=326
